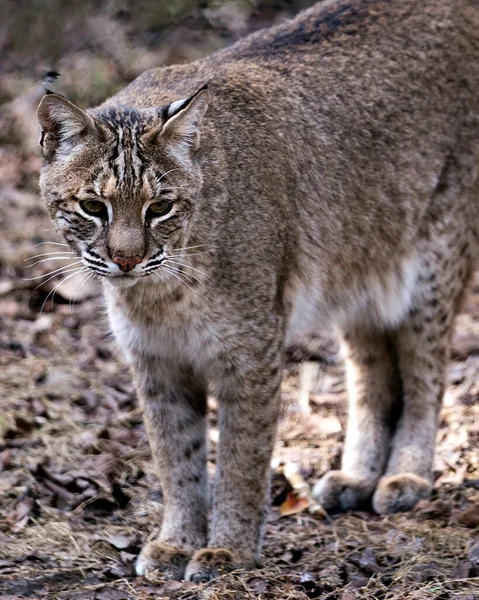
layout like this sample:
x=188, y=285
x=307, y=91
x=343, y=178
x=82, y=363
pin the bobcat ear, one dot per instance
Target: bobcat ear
x=183, y=119
x=61, y=123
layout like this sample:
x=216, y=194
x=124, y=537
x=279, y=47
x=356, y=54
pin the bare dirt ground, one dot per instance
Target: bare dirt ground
x=78, y=494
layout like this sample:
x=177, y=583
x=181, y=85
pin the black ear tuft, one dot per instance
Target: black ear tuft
x=49, y=80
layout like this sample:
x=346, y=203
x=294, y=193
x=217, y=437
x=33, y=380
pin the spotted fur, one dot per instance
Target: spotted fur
x=334, y=177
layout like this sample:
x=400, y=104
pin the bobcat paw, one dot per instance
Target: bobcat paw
x=339, y=491
x=398, y=493
x=209, y=563
x=168, y=560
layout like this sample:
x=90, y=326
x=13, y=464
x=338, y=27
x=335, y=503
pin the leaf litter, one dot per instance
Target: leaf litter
x=79, y=496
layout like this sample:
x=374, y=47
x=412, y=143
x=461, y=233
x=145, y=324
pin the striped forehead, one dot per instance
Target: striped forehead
x=127, y=161
x=106, y=184
x=127, y=158
x=126, y=171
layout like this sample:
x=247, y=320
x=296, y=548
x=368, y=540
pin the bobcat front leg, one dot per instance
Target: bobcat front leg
x=249, y=401
x=174, y=403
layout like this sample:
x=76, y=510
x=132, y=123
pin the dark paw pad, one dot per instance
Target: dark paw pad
x=399, y=493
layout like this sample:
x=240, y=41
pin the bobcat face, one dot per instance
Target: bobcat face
x=121, y=184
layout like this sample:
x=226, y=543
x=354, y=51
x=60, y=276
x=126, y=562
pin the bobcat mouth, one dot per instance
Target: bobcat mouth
x=125, y=280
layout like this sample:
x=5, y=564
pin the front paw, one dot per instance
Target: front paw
x=209, y=563
x=339, y=491
x=170, y=561
x=397, y=493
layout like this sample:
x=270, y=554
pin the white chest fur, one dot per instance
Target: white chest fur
x=197, y=341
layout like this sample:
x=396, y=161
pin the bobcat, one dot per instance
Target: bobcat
x=324, y=170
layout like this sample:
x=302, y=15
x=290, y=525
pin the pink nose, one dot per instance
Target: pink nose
x=127, y=263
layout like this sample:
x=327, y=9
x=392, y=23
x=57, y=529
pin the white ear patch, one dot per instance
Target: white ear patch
x=176, y=106
x=183, y=122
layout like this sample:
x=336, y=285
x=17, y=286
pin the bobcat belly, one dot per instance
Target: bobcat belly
x=377, y=301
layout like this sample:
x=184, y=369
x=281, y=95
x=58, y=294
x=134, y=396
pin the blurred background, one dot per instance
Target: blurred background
x=78, y=493
x=98, y=47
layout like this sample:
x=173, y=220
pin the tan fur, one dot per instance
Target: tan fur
x=334, y=176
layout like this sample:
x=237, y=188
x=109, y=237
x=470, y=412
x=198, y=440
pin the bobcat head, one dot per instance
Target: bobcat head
x=121, y=183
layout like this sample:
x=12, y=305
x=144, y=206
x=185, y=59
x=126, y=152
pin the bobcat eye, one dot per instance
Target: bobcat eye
x=94, y=208
x=158, y=209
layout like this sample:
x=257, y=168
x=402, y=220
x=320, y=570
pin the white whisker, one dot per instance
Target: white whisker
x=165, y=174
x=89, y=275
x=77, y=270
x=162, y=279
x=47, y=259
x=52, y=244
x=54, y=272
x=191, y=247
x=176, y=275
x=62, y=252
x=175, y=262
x=188, y=255
x=185, y=274
x=53, y=276
x=68, y=270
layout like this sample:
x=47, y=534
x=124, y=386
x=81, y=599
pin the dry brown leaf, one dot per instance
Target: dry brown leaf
x=469, y=517
x=293, y=505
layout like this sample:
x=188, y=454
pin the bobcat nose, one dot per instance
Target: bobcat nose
x=127, y=263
